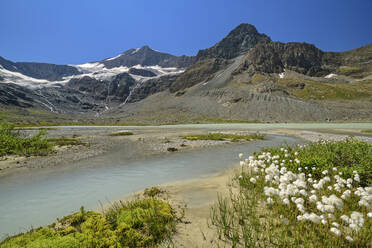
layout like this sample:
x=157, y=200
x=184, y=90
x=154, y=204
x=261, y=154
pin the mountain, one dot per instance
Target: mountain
x=39, y=70
x=245, y=76
x=145, y=56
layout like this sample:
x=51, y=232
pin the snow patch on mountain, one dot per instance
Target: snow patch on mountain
x=94, y=70
x=113, y=57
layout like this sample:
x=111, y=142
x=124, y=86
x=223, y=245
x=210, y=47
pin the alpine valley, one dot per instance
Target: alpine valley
x=244, y=77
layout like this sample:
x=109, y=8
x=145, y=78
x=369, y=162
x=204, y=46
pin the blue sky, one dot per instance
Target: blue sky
x=78, y=31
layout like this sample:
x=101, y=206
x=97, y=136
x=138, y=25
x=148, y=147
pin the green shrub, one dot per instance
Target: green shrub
x=12, y=142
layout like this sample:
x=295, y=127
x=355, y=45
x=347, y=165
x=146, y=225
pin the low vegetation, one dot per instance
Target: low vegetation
x=318, y=195
x=13, y=142
x=328, y=91
x=367, y=131
x=124, y=133
x=64, y=141
x=224, y=136
x=349, y=70
x=139, y=223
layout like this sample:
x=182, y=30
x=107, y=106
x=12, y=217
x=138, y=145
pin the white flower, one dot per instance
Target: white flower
x=335, y=231
x=313, y=198
x=369, y=215
x=286, y=201
x=334, y=169
x=240, y=177
x=296, y=153
x=242, y=163
x=335, y=224
x=299, y=201
x=240, y=155
x=324, y=221
x=331, y=216
x=348, y=238
x=340, y=173
x=303, y=192
x=300, y=218
x=313, y=168
x=252, y=180
x=345, y=218
x=329, y=188
x=325, y=172
x=363, y=203
x=269, y=200
x=314, y=218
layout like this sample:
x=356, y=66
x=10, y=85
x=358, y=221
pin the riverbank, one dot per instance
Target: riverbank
x=149, y=141
x=142, y=144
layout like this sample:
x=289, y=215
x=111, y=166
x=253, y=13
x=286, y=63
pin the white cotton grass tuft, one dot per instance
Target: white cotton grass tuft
x=335, y=231
x=348, y=238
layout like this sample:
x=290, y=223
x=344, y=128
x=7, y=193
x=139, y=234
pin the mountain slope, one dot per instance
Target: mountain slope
x=245, y=76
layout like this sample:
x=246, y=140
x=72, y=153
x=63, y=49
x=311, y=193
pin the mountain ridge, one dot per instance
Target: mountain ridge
x=233, y=79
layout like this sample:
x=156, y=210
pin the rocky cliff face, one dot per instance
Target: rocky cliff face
x=274, y=57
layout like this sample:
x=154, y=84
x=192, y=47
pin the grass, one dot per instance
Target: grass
x=124, y=133
x=328, y=91
x=255, y=214
x=138, y=223
x=348, y=70
x=224, y=136
x=367, y=131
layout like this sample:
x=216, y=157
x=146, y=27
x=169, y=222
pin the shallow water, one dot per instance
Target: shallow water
x=365, y=125
x=38, y=197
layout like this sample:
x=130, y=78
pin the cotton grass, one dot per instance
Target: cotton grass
x=323, y=208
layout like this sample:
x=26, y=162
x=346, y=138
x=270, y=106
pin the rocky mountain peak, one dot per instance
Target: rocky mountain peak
x=146, y=56
x=238, y=41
